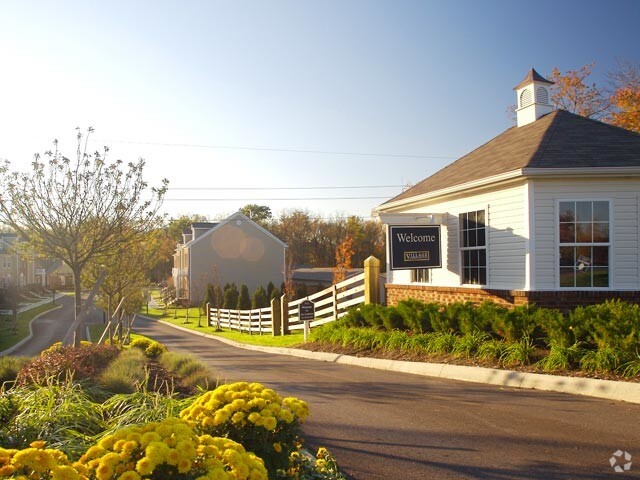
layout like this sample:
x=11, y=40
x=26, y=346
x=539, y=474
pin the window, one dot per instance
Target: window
x=583, y=228
x=421, y=275
x=473, y=243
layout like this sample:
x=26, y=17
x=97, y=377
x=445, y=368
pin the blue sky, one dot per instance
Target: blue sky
x=390, y=91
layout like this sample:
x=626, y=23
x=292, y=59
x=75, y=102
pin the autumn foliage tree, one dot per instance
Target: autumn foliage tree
x=80, y=208
x=618, y=104
x=344, y=254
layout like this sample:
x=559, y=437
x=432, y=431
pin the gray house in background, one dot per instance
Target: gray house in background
x=235, y=250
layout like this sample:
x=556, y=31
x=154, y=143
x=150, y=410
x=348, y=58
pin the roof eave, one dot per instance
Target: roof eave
x=495, y=179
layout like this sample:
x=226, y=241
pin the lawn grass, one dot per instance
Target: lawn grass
x=8, y=337
x=178, y=316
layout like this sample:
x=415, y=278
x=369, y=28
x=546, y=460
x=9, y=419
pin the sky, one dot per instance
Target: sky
x=328, y=106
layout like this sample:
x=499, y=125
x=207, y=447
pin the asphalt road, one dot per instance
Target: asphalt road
x=51, y=327
x=387, y=425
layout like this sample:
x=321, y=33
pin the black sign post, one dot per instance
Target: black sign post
x=307, y=312
x=415, y=247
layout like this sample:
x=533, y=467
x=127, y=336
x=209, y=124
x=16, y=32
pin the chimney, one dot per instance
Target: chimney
x=534, y=99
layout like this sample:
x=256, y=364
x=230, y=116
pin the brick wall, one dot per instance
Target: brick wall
x=563, y=300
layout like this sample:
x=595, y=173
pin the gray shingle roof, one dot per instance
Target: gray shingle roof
x=531, y=77
x=557, y=140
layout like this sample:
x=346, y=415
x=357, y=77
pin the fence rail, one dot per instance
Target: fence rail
x=283, y=317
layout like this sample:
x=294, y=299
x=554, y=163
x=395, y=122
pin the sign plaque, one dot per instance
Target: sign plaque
x=414, y=247
x=307, y=310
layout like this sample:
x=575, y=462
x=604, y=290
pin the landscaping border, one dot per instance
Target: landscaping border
x=591, y=387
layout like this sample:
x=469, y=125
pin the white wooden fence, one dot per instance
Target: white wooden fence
x=282, y=317
x=256, y=321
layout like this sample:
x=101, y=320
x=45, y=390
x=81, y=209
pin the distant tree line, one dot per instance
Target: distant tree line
x=312, y=241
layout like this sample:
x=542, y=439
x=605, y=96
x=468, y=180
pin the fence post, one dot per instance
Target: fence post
x=275, y=317
x=371, y=280
x=334, y=297
x=284, y=313
x=207, y=311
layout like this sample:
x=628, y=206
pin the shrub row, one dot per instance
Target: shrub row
x=596, y=338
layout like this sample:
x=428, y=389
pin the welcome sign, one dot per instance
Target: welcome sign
x=414, y=247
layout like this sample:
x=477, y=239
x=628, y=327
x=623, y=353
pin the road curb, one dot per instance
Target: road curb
x=591, y=387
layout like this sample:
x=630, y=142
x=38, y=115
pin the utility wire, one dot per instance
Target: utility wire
x=351, y=187
x=267, y=199
x=267, y=149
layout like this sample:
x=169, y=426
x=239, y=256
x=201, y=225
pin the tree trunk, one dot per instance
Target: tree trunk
x=77, y=286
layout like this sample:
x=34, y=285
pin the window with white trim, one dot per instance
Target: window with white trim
x=473, y=246
x=584, y=243
x=421, y=275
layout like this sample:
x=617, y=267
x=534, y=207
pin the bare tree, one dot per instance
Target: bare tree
x=79, y=209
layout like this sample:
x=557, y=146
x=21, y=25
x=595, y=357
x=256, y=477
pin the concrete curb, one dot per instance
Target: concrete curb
x=591, y=387
x=28, y=337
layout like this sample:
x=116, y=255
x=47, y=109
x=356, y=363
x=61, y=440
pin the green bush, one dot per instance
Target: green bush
x=372, y=314
x=485, y=315
x=447, y=320
x=392, y=319
x=558, y=329
x=518, y=323
x=417, y=315
x=354, y=318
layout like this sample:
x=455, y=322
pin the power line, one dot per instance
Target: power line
x=287, y=150
x=351, y=187
x=268, y=199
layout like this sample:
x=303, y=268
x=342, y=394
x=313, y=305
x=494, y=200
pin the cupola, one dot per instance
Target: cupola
x=534, y=99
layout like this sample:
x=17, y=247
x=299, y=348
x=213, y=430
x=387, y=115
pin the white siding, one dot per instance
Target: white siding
x=506, y=213
x=623, y=195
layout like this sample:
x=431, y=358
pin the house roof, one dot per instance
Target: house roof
x=531, y=77
x=558, y=140
x=321, y=274
x=236, y=216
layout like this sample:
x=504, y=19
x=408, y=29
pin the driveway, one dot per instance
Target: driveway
x=386, y=425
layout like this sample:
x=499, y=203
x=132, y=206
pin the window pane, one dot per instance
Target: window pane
x=567, y=257
x=584, y=212
x=600, y=277
x=583, y=278
x=567, y=232
x=566, y=277
x=472, y=220
x=466, y=258
x=600, y=211
x=601, y=256
x=583, y=258
x=480, y=218
x=472, y=238
x=601, y=232
x=567, y=212
x=481, y=238
x=583, y=232
x=464, y=222
x=482, y=258
x=483, y=276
